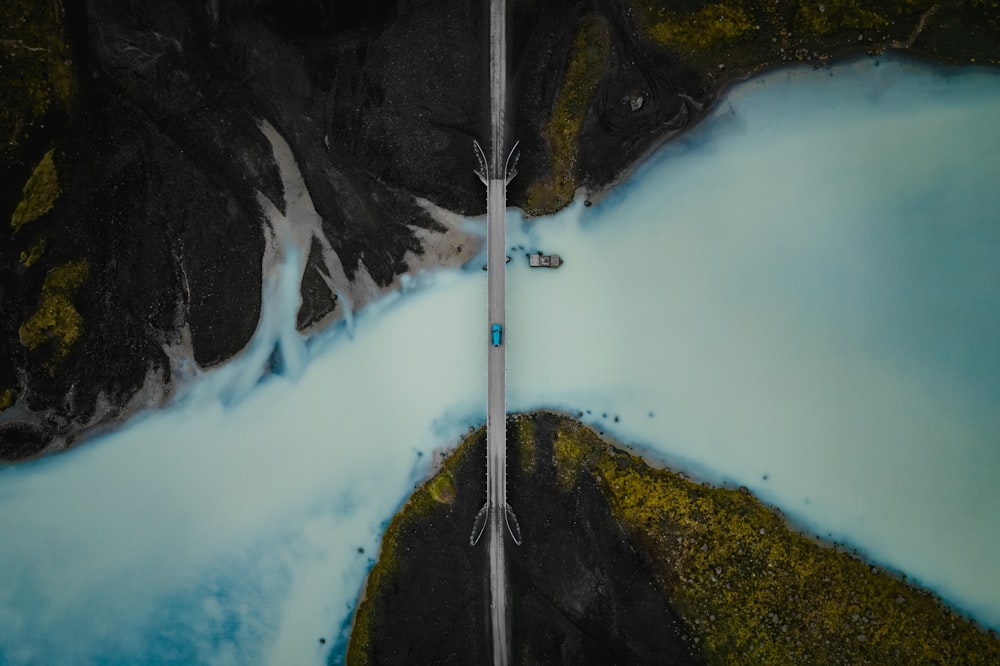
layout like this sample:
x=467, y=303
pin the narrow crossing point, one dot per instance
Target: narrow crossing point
x=496, y=517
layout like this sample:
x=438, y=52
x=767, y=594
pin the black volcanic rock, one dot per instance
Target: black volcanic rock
x=162, y=172
x=613, y=134
x=579, y=593
x=646, y=96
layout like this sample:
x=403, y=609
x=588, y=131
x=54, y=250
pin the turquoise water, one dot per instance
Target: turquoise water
x=808, y=291
x=806, y=288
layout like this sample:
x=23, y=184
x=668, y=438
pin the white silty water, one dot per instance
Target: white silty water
x=806, y=287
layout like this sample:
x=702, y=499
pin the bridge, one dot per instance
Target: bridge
x=496, y=517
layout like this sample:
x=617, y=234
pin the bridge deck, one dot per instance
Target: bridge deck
x=496, y=423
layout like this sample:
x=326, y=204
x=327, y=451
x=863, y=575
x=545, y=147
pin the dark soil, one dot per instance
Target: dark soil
x=580, y=593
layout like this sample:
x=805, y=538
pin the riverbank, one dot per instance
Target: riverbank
x=662, y=67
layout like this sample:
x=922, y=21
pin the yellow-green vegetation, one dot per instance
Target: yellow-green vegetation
x=438, y=490
x=587, y=65
x=525, y=437
x=721, y=39
x=753, y=591
x=36, y=71
x=39, y=194
x=34, y=253
x=56, y=321
x=7, y=398
x=358, y=648
x=442, y=488
x=570, y=455
x=702, y=29
x=822, y=18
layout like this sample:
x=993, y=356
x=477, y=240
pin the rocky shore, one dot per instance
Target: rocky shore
x=134, y=166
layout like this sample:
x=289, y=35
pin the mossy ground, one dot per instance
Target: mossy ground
x=754, y=591
x=39, y=194
x=525, y=437
x=734, y=38
x=56, y=325
x=586, y=67
x=30, y=256
x=7, y=398
x=726, y=40
x=438, y=492
x=36, y=71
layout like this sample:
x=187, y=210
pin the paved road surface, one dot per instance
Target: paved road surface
x=496, y=426
x=496, y=422
x=498, y=86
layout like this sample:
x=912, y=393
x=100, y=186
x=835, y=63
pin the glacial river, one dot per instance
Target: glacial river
x=802, y=296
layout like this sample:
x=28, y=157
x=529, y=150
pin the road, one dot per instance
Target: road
x=496, y=426
x=498, y=86
x=496, y=420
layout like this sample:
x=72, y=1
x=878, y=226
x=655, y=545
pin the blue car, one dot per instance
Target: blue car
x=497, y=335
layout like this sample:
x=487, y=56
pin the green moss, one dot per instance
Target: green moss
x=36, y=71
x=442, y=488
x=753, y=591
x=39, y=194
x=572, y=453
x=709, y=27
x=526, y=449
x=359, y=646
x=34, y=253
x=56, y=320
x=587, y=66
x=822, y=18
x=735, y=38
x=7, y=398
x=436, y=494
